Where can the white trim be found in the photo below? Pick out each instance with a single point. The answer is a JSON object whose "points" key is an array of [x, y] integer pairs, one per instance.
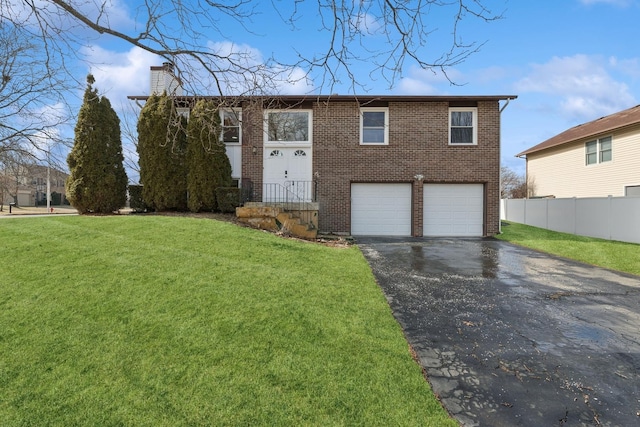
{"points": [[306, 143], [384, 110], [474, 111]]}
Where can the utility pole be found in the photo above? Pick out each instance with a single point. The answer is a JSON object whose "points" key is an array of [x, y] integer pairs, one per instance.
{"points": [[48, 181]]}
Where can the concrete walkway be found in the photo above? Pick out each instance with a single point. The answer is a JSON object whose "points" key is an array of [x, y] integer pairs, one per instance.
{"points": [[31, 210], [513, 337]]}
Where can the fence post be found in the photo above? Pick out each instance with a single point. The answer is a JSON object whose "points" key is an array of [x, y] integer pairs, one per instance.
{"points": [[575, 215], [609, 216], [546, 213]]}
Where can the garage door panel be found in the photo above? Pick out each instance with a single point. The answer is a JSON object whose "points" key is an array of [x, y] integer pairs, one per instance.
{"points": [[453, 210], [381, 209]]}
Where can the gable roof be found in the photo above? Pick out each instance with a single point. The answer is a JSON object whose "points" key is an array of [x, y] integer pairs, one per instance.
{"points": [[602, 125]]}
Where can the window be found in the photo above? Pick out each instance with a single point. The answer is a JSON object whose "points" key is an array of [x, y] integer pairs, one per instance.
{"points": [[598, 151], [374, 126], [592, 152], [230, 120], [605, 149], [632, 190], [183, 112], [289, 126], [463, 127]]}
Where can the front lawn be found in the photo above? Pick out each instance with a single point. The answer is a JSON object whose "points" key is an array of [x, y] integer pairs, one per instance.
{"points": [[609, 254], [170, 321]]}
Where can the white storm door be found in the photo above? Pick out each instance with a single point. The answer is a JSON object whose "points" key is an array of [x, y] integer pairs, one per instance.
{"points": [[234, 153], [287, 174]]}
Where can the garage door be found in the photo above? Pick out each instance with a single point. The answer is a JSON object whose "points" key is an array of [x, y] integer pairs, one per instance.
{"points": [[453, 210], [381, 209]]}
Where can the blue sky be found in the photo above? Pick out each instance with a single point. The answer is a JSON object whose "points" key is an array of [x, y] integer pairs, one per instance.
{"points": [[568, 61]]}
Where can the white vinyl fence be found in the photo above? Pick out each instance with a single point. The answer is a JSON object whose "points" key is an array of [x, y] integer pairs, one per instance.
{"points": [[612, 218]]}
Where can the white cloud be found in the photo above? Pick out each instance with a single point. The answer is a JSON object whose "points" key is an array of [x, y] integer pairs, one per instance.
{"points": [[366, 23], [584, 84], [119, 74], [426, 82], [629, 67], [243, 70]]}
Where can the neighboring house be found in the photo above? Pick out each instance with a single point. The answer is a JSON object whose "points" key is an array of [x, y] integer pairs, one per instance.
{"points": [[26, 185], [376, 165], [596, 159]]}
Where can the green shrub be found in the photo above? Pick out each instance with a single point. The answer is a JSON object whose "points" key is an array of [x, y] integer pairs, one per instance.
{"points": [[228, 199], [136, 203]]}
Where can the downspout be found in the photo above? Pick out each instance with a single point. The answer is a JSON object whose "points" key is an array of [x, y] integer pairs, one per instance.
{"points": [[500, 162], [505, 105]]}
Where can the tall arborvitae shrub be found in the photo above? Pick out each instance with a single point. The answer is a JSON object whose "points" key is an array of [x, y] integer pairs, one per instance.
{"points": [[162, 144], [97, 181], [207, 161]]}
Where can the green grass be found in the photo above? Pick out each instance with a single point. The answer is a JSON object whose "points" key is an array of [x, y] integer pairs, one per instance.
{"points": [[168, 321], [609, 254]]}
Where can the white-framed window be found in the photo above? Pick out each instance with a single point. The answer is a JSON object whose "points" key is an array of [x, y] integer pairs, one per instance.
{"points": [[598, 151], [231, 122], [463, 126], [288, 126], [184, 112], [374, 126]]}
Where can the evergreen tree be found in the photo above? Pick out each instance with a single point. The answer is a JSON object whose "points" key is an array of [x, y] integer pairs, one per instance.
{"points": [[97, 181], [162, 155], [207, 161]]}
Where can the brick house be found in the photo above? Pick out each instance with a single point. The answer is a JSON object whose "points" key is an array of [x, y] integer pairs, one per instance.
{"points": [[374, 165]]}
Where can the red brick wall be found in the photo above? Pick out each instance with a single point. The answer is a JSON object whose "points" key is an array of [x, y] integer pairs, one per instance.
{"points": [[418, 144], [252, 147]]}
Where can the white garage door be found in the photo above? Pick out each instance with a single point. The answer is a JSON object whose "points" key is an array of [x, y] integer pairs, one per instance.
{"points": [[453, 210], [381, 209]]}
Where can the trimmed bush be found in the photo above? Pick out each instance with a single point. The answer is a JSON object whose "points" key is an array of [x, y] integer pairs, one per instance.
{"points": [[98, 181], [228, 199], [136, 203]]}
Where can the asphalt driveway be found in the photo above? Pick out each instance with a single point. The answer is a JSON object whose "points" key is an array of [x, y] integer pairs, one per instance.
{"points": [[512, 337]]}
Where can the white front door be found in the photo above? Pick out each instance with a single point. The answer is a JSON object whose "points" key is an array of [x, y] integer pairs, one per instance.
{"points": [[287, 174]]}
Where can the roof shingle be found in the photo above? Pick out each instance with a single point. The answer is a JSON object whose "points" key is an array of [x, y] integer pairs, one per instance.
{"points": [[596, 127]]}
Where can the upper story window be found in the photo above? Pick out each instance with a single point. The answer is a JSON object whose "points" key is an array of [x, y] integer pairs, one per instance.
{"points": [[290, 126], [598, 151], [463, 126], [374, 126], [184, 112], [231, 119]]}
